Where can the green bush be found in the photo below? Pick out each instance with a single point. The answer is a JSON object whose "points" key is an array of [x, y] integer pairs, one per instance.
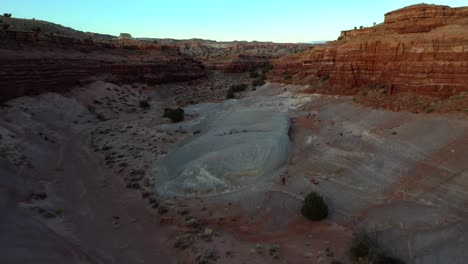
{"points": [[176, 115], [324, 78], [364, 249], [253, 74], [7, 15], [258, 82], [144, 104], [314, 208], [230, 94], [239, 88]]}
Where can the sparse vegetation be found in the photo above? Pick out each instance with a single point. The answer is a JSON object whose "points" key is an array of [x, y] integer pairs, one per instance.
{"points": [[254, 74], [144, 104], [324, 78], [339, 38], [259, 82], [231, 93], [36, 29], [239, 87], [365, 249], [5, 26], [430, 109], [287, 76], [255, 83], [314, 207], [176, 115], [7, 14]]}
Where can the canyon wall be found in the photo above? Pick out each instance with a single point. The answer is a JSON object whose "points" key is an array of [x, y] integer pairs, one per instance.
{"points": [[236, 56], [32, 63], [421, 49]]}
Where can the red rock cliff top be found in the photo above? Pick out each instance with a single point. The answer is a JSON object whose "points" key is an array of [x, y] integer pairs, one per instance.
{"points": [[423, 17], [421, 49]]}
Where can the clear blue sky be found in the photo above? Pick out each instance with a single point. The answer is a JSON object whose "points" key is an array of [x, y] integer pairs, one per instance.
{"points": [[262, 20]]}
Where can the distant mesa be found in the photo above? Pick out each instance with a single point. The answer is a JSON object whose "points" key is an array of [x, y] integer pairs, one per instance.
{"points": [[125, 36]]}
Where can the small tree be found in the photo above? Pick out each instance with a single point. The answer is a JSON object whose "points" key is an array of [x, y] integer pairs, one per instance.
{"points": [[144, 104], [374, 24], [230, 94], [7, 15], [253, 74], [361, 27], [176, 115], [314, 207]]}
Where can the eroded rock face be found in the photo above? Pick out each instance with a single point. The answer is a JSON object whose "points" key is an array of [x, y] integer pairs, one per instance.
{"points": [[423, 18], [421, 49], [32, 63], [237, 56]]}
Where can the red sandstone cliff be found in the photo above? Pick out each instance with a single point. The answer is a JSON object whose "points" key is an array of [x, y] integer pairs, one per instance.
{"points": [[421, 49], [32, 63]]}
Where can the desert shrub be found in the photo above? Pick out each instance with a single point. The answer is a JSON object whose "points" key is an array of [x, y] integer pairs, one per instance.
{"points": [[430, 109], [339, 38], [239, 88], [5, 26], [314, 207], [287, 76], [258, 82], [254, 74], [365, 249], [324, 78], [230, 94], [6, 14], [59, 211], [144, 104], [176, 115], [235, 89], [36, 29]]}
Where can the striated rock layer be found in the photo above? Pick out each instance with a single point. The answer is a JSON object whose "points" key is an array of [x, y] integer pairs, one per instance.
{"points": [[236, 56], [421, 49], [32, 63]]}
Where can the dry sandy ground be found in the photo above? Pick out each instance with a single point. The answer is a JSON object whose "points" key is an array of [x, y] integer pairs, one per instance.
{"points": [[75, 186]]}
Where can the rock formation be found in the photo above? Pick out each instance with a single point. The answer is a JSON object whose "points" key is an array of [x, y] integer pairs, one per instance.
{"points": [[233, 57], [33, 62], [421, 49]]}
